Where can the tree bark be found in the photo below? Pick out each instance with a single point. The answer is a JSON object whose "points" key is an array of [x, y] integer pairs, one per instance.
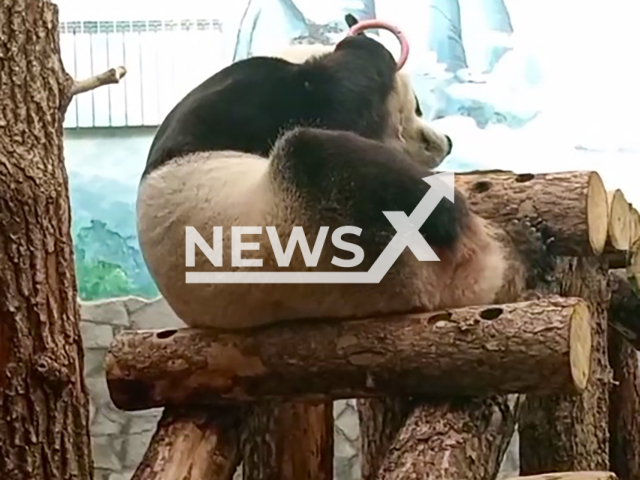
{"points": [[570, 433], [43, 399], [462, 438], [193, 444], [624, 409], [567, 213], [624, 307], [537, 346], [289, 441]]}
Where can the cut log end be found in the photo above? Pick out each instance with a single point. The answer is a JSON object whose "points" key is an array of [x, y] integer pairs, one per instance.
{"points": [[619, 220], [580, 345], [597, 213]]}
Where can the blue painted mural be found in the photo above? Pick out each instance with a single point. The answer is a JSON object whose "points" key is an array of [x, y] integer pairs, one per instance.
{"points": [[104, 166]]}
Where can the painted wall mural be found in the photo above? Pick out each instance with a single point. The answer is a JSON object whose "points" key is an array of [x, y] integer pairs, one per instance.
{"points": [[104, 167], [468, 38]]}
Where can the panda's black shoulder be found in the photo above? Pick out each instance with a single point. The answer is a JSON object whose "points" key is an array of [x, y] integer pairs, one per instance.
{"points": [[249, 104], [210, 117]]}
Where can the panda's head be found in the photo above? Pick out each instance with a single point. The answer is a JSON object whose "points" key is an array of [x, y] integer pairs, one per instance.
{"points": [[405, 126]]}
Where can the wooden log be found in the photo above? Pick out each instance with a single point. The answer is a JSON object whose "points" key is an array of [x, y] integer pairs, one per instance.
{"points": [[619, 235], [624, 409], [629, 259], [633, 269], [463, 438], [537, 346], [570, 476], [634, 224], [193, 443], [570, 433], [567, 212], [288, 441], [624, 307], [380, 420]]}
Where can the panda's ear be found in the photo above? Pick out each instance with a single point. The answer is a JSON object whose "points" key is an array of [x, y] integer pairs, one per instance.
{"points": [[350, 19], [362, 47]]}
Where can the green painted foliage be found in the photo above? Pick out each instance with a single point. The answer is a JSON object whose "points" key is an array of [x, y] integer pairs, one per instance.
{"points": [[108, 265]]}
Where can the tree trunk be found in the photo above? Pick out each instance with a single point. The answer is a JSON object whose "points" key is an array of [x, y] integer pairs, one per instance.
{"points": [[571, 433], [624, 410], [43, 400], [542, 346]]}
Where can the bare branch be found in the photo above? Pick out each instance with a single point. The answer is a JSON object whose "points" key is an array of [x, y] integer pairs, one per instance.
{"points": [[113, 75]]}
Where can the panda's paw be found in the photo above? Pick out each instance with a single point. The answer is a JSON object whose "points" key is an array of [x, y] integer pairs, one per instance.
{"points": [[314, 158], [342, 176]]}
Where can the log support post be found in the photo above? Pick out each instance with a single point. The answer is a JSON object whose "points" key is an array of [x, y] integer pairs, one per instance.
{"points": [[288, 441], [570, 432], [193, 443], [624, 408]]}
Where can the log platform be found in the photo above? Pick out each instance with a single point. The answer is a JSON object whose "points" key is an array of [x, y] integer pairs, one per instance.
{"points": [[439, 393]]}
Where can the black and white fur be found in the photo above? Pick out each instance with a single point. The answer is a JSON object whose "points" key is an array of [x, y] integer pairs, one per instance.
{"points": [[331, 141]]}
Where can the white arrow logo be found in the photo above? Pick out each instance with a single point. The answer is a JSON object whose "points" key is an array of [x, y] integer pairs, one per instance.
{"points": [[407, 236]]}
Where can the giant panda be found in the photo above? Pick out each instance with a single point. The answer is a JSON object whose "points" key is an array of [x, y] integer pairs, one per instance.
{"points": [[332, 138]]}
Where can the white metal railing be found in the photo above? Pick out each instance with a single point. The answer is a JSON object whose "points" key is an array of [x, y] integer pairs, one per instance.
{"points": [[164, 60]]}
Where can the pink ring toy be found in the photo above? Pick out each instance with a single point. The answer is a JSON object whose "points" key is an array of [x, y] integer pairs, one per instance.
{"points": [[368, 24]]}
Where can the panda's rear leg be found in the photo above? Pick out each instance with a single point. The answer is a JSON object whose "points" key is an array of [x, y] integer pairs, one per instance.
{"points": [[353, 179]]}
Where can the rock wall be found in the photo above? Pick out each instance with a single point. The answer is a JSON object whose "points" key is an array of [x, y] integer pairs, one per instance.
{"points": [[119, 439]]}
